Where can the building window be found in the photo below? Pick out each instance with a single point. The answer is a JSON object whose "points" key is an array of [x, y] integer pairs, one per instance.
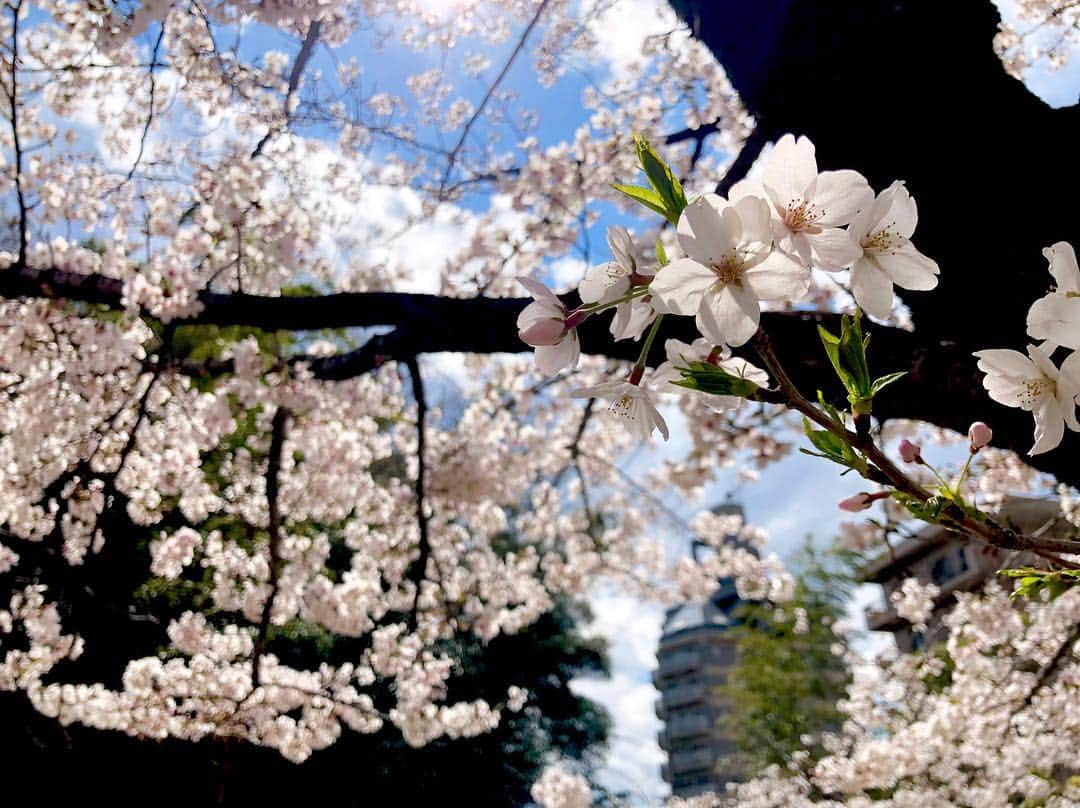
{"points": [[918, 641], [944, 569]]}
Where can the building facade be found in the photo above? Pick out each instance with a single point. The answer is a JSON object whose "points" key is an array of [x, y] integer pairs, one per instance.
{"points": [[696, 652], [954, 563]]}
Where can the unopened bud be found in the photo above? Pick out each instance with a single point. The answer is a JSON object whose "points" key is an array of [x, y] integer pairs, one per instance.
{"points": [[979, 434], [857, 502], [910, 452]]}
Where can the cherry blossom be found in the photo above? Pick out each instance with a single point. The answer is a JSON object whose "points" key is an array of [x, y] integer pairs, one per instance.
{"points": [[809, 208], [1056, 316], [1034, 384], [883, 232], [679, 354], [632, 400], [730, 268], [550, 328]]}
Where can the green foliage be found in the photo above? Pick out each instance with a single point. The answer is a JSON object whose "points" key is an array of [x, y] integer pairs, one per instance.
{"points": [[1033, 582], [847, 353], [708, 378], [784, 685], [665, 195], [830, 445]]}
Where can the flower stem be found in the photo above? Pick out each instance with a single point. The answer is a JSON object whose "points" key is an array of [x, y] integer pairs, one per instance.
{"points": [[647, 345]]}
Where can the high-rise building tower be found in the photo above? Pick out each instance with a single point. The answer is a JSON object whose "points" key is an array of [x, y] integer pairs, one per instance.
{"points": [[696, 651]]}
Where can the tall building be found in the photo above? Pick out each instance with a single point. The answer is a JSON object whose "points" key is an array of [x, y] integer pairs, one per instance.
{"points": [[696, 652], [954, 563]]}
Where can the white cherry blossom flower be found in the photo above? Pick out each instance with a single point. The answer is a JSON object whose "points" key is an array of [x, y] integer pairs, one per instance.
{"points": [[883, 233], [608, 282], [679, 353], [809, 208], [1033, 383], [730, 268], [550, 328], [632, 400], [1056, 316]]}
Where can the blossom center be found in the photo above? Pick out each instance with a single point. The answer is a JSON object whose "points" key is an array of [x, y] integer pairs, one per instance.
{"points": [[884, 240], [729, 270], [802, 214], [1035, 389]]}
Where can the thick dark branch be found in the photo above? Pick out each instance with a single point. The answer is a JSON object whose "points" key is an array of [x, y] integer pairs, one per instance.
{"points": [[417, 571], [273, 529], [942, 385]]}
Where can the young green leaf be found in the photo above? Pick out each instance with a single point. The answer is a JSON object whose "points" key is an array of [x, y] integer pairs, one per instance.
{"points": [[645, 196], [661, 253], [661, 178], [710, 379]]}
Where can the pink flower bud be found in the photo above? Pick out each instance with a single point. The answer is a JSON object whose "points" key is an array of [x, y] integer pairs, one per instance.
{"points": [[858, 502], [910, 452], [547, 331], [979, 434]]}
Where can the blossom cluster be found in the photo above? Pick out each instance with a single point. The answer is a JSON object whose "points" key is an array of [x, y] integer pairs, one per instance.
{"points": [[757, 246]]}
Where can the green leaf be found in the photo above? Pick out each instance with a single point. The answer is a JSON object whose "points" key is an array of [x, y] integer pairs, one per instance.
{"points": [[661, 253], [832, 350], [853, 350], [833, 447], [706, 378], [1033, 582], [661, 178], [645, 196], [884, 381]]}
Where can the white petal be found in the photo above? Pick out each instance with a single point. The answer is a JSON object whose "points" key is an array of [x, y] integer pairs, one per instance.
{"points": [[778, 277], [540, 310], [609, 389], [833, 249], [908, 268], [1057, 318], [1006, 362], [901, 216], [1049, 425], [604, 283], [839, 195], [631, 319], [871, 288], [756, 217], [678, 287], [553, 358], [1069, 375], [704, 233], [1063, 266], [622, 247], [790, 169], [795, 244], [1040, 357], [538, 290], [729, 314]]}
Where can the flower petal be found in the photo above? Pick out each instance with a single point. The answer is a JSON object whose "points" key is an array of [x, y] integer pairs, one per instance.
{"points": [[1049, 425], [1063, 266], [790, 169], [1006, 362], [908, 268], [553, 358], [833, 249], [778, 277], [755, 215], [540, 292], [839, 195], [539, 310], [704, 232], [729, 314], [604, 283], [679, 287], [871, 288], [1057, 318]]}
